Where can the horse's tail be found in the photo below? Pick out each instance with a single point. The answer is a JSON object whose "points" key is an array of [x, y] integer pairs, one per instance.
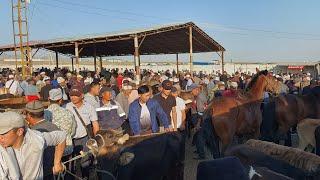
{"points": [[211, 136]]}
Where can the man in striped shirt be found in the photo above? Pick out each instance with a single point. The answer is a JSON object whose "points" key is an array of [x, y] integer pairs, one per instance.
{"points": [[110, 113]]}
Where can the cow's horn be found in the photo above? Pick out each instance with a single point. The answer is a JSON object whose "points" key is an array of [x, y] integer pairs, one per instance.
{"points": [[123, 139]]}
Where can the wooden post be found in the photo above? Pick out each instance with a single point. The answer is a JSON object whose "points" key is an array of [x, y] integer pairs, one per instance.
{"points": [[76, 52], [191, 50], [177, 59], [100, 61], [57, 60], [95, 58], [222, 61], [72, 67], [136, 57]]}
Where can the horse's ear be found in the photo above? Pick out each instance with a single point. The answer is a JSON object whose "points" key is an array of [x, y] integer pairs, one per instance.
{"points": [[257, 70]]}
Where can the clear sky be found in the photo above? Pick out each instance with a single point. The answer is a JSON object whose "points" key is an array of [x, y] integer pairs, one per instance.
{"points": [[250, 30]]}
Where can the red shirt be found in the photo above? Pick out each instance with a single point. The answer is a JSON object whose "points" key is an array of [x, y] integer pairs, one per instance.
{"points": [[119, 81]]}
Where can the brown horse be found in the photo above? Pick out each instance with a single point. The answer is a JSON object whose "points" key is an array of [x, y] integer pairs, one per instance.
{"points": [[286, 111], [239, 116]]}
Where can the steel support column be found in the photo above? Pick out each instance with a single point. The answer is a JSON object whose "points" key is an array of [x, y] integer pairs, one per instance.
{"points": [[95, 58], [100, 60], [177, 62], [76, 53], [57, 60], [136, 57], [72, 67], [191, 51], [222, 61]]}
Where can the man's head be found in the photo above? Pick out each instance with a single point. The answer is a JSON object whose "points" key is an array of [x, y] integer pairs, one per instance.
{"points": [[127, 89], [175, 91], [31, 81], [194, 88], [55, 96], [61, 81], [42, 74], [76, 95], [12, 127], [166, 87], [46, 79], [144, 93], [79, 77], [34, 111], [94, 88], [106, 93]]}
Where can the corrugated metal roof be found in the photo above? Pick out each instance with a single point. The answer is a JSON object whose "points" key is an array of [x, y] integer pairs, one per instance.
{"points": [[163, 39]]}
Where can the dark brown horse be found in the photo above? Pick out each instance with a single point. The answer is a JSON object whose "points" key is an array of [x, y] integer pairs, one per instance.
{"points": [[286, 112], [241, 115]]}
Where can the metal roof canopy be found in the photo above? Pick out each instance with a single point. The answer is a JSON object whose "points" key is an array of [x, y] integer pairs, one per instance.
{"points": [[170, 39]]}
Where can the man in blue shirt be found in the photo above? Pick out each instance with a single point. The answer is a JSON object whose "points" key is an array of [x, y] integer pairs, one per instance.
{"points": [[143, 112]]}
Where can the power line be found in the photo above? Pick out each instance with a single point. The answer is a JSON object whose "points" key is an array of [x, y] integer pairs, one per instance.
{"points": [[214, 27], [86, 12], [164, 18]]}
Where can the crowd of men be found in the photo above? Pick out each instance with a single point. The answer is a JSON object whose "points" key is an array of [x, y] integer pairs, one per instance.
{"points": [[83, 103]]}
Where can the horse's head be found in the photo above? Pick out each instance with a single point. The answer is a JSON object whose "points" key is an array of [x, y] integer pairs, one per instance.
{"points": [[272, 84], [265, 81]]}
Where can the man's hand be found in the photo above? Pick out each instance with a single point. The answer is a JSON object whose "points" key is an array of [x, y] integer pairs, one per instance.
{"points": [[57, 168]]}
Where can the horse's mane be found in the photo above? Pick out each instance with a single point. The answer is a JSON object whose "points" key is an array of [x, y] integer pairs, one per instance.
{"points": [[300, 159], [255, 78]]}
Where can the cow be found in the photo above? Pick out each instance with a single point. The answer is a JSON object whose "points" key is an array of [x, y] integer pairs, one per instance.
{"points": [[155, 156], [251, 157], [288, 161], [230, 168]]}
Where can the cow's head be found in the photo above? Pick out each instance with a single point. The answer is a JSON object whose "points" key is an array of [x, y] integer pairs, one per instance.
{"points": [[108, 143]]}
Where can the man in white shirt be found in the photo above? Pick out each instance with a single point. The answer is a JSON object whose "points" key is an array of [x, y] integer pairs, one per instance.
{"points": [[180, 108], [12, 85], [26, 146]]}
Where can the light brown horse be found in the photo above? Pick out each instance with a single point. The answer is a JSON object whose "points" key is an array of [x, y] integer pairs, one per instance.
{"points": [[239, 116]]}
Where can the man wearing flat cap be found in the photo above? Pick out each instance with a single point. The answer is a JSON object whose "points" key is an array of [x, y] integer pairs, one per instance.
{"points": [[27, 146], [110, 113], [35, 119]]}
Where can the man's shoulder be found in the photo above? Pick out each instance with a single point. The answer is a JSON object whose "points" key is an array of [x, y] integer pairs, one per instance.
{"points": [[156, 96], [134, 103], [46, 126], [69, 106]]}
